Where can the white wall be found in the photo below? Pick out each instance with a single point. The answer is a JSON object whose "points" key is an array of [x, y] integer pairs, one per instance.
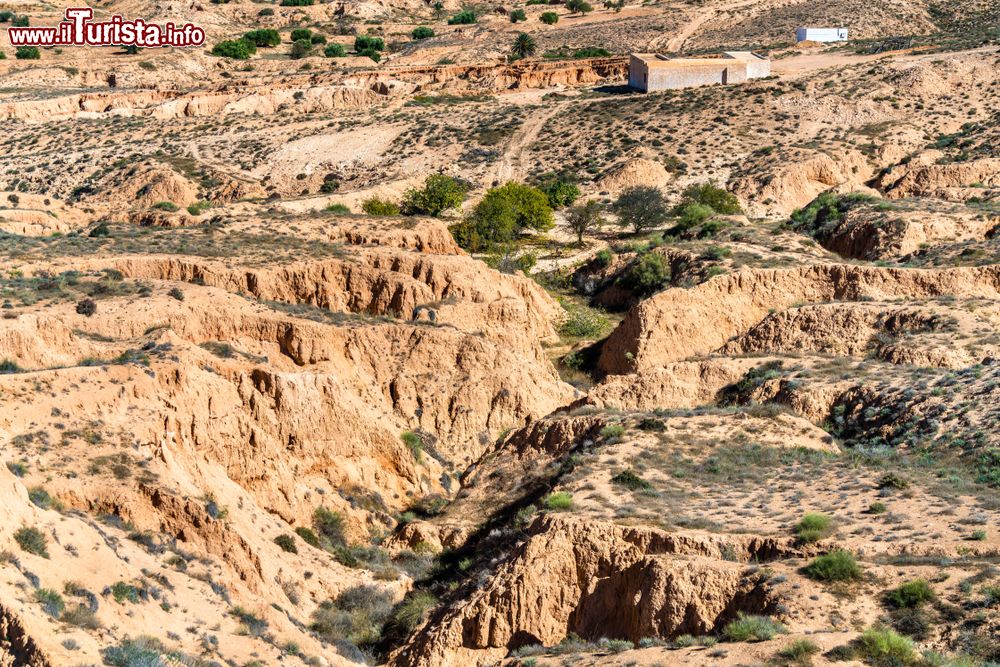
{"points": [[821, 34]]}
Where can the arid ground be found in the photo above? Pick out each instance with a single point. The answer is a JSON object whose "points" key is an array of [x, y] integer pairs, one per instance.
{"points": [[415, 338]]}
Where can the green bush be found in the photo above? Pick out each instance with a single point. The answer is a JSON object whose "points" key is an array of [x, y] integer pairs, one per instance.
{"points": [[301, 48], [978, 535], [882, 647], [263, 37], [422, 32], [749, 628], [631, 481], [376, 206], [408, 614], [799, 652], [579, 6], [330, 526], [296, 3], [584, 322], [237, 49], [8, 366], [910, 595], [517, 15], [415, 444], [561, 193], [591, 52], [334, 50], [502, 214], [559, 501], [464, 17], [692, 215], [549, 18], [339, 209], [365, 42], [28, 53], [711, 195], [648, 274], [892, 481], [287, 543], [612, 432], [168, 206], [835, 566], [356, 616], [308, 536], [813, 527], [51, 601], [440, 193], [371, 54], [301, 33], [32, 541], [124, 592]]}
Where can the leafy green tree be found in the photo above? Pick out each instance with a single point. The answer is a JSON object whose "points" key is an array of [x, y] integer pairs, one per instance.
{"points": [[517, 15], [579, 6], [464, 17], [301, 33], [561, 190], [502, 214], [370, 53], [365, 42], [549, 18], [711, 195], [301, 48], [238, 49], [422, 32], [28, 53], [693, 215], [585, 218], [524, 46], [641, 207], [264, 37], [439, 194], [649, 274], [334, 50]]}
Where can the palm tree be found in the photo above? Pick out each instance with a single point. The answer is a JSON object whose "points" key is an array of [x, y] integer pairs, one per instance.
{"points": [[524, 46]]}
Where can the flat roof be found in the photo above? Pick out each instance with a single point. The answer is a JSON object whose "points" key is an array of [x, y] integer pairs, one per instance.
{"points": [[659, 60]]}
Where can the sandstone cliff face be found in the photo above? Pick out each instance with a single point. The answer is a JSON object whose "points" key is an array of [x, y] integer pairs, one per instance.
{"points": [[572, 576], [956, 182], [680, 323]]}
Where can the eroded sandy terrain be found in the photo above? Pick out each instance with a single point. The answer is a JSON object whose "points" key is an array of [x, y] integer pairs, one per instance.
{"points": [[252, 413]]}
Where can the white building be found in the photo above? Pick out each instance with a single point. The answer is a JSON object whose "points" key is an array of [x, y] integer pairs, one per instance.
{"points": [[821, 35]]}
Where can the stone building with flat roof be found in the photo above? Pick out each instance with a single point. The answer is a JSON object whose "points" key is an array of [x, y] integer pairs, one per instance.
{"points": [[650, 72]]}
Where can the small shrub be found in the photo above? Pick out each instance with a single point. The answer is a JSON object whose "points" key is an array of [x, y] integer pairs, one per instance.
{"points": [[28, 53], [813, 527], [414, 443], [892, 481], [366, 42], [329, 525], [307, 535], [372, 54], [376, 206], [978, 535], [287, 543], [339, 209], [517, 15], [301, 48], [882, 647], [86, 307], [124, 592], [32, 541], [264, 37], [631, 481], [647, 275], [749, 628], [584, 323], [837, 565], [334, 50], [301, 33], [549, 18], [236, 49], [51, 601], [799, 652], [422, 32], [559, 501], [81, 616], [8, 366], [409, 613], [464, 17], [168, 206], [612, 432], [877, 508], [910, 595], [176, 293]]}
